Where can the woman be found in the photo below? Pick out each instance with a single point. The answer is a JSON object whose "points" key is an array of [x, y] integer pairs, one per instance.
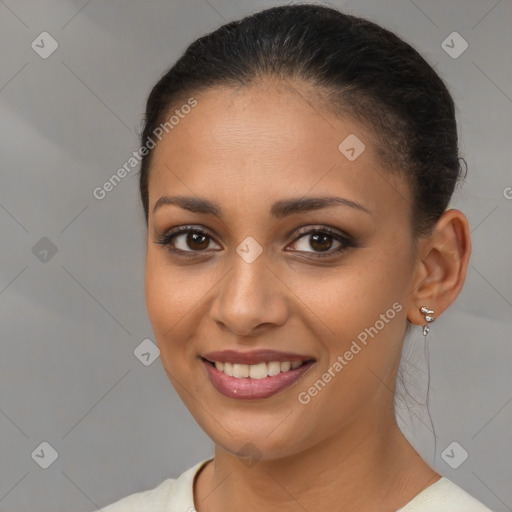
{"points": [[297, 169]]}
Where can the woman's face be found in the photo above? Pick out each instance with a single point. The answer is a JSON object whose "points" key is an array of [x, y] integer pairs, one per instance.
{"points": [[334, 301]]}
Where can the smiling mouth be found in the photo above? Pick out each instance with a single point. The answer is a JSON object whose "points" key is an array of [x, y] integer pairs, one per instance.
{"points": [[256, 371]]}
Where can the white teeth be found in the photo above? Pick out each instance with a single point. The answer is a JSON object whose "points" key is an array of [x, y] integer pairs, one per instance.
{"points": [[228, 369], [240, 370], [257, 371], [286, 366], [274, 368]]}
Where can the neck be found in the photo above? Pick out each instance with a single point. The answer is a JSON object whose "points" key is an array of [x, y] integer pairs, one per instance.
{"points": [[369, 467]]}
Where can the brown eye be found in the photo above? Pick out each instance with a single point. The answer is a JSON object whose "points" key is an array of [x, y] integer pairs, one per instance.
{"points": [[197, 241], [321, 241], [316, 241], [187, 240], [190, 240]]}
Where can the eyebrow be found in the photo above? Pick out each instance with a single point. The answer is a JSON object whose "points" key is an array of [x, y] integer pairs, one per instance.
{"points": [[279, 209]]}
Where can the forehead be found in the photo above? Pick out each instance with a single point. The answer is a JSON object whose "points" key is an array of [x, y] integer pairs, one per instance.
{"points": [[268, 141]]}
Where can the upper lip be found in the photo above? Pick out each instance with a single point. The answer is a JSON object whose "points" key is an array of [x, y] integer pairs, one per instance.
{"points": [[254, 356]]}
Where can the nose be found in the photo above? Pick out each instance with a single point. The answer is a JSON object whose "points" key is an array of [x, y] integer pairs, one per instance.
{"points": [[250, 297]]}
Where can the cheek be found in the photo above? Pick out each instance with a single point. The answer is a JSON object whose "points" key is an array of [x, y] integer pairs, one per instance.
{"points": [[362, 328], [353, 297], [170, 296], [362, 307]]}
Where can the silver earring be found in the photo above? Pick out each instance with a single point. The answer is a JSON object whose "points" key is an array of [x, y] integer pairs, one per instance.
{"points": [[429, 318]]}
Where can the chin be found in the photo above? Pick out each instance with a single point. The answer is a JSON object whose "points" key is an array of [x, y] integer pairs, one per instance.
{"points": [[257, 438]]}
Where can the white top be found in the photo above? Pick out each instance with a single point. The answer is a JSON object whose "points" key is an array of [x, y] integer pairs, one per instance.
{"points": [[176, 495]]}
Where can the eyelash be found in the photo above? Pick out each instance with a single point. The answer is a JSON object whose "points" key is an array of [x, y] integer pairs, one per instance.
{"points": [[345, 240]]}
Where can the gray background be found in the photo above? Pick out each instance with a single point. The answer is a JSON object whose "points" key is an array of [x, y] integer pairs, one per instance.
{"points": [[72, 320]]}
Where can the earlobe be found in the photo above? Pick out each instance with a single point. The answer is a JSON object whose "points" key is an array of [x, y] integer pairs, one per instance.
{"points": [[444, 261]]}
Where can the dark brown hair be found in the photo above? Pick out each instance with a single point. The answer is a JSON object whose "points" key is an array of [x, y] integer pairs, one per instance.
{"points": [[368, 72]]}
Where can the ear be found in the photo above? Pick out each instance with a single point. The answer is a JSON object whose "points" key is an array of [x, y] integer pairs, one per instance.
{"points": [[442, 265]]}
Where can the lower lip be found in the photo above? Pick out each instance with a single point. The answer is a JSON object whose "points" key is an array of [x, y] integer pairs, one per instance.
{"points": [[246, 389]]}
